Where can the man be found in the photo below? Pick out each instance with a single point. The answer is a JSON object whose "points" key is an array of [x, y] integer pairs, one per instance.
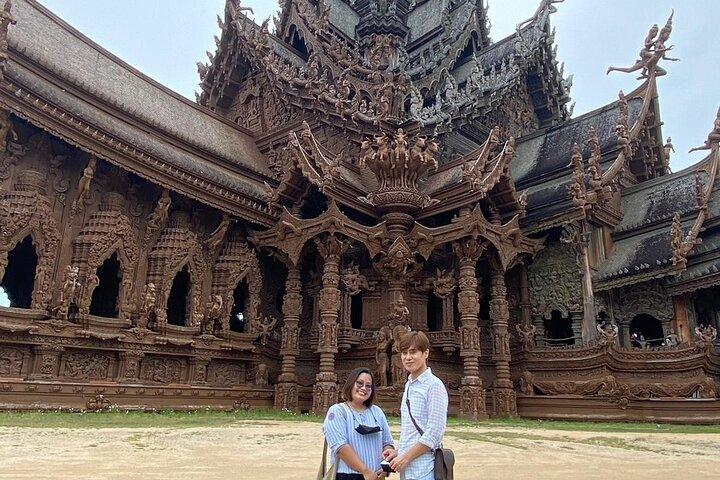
{"points": [[428, 406]]}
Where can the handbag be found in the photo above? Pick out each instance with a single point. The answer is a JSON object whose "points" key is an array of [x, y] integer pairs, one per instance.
{"points": [[444, 457], [331, 473]]}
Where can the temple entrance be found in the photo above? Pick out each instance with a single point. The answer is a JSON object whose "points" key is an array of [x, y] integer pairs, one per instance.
{"points": [[558, 329], [105, 296], [177, 303], [19, 279], [356, 311], [434, 313], [707, 307], [237, 313], [648, 329]]}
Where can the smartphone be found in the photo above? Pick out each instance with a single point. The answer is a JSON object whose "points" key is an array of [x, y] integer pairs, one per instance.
{"points": [[385, 465]]}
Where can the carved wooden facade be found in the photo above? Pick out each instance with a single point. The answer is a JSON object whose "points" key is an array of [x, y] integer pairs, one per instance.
{"points": [[338, 182]]}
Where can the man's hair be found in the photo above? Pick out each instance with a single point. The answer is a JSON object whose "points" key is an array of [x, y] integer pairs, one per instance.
{"points": [[350, 384], [417, 340]]}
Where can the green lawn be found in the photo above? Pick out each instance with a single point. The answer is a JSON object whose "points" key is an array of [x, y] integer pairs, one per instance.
{"points": [[209, 418]]}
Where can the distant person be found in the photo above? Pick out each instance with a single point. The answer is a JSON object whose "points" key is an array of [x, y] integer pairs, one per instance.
{"points": [[423, 412], [357, 431]]}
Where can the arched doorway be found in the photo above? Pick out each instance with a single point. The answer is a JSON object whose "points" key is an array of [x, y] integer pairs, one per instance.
{"points": [[648, 329], [558, 329], [104, 301], [19, 279], [178, 299]]}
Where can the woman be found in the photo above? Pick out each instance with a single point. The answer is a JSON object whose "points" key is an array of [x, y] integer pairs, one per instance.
{"points": [[357, 431]]}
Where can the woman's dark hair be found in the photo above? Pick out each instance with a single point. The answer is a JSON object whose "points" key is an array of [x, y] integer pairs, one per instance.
{"points": [[350, 384]]}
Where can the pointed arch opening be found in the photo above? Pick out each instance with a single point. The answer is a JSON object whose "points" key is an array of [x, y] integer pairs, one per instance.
{"points": [[104, 301], [558, 329], [19, 279], [237, 312], [179, 298]]}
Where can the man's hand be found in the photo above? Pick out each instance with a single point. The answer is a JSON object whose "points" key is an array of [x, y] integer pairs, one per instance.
{"points": [[399, 463], [389, 453]]}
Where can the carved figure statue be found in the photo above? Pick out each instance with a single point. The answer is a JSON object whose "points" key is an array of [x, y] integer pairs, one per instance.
{"points": [[239, 8], [399, 312], [526, 332], [83, 188], [214, 312], [160, 215], [544, 5], [6, 128], [217, 236], [607, 333], [355, 281], [705, 335], [668, 147], [67, 292], [713, 138], [652, 52], [147, 305], [381, 354], [264, 326], [261, 375], [672, 339], [398, 371]]}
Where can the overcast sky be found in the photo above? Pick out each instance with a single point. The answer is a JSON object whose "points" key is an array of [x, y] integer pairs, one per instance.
{"points": [[164, 39]]}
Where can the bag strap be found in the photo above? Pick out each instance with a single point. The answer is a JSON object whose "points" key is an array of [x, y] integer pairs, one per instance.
{"points": [[407, 402]]}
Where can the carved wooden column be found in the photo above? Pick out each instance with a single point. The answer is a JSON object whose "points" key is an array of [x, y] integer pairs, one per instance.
{"points": [[46, 361], [504, 400], [286, 393], [472, 394], [129, 368], [325, 391], [525, 305]]}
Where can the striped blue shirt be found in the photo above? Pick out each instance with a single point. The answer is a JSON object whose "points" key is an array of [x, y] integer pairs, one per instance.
{"points": [[339, 430], [429, 405]]}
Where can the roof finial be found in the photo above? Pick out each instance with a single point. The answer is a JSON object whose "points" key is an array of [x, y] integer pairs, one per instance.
{"points": [[713, 138], [652, 52], [545, 6]]}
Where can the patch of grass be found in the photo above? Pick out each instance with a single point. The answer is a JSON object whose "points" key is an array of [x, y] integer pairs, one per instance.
{"points": [[600, 427], [139, 419]]}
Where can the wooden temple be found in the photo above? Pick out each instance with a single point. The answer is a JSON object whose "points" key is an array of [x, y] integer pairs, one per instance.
{"points": [[368, 167]]}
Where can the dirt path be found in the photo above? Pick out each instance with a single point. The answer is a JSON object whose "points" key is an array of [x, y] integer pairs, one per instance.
{"points": [[270, 450]]}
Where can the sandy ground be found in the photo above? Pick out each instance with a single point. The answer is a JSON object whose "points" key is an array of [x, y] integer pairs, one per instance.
{"points": [[265, 450]]}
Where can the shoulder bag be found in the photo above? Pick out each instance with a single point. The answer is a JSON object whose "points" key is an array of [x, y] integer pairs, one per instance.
{"points": [[444, 457]]}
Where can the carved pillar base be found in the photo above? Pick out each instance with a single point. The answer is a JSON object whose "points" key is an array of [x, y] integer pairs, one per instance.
{"points": [[504, 402], [325, 394], [286, 396], [472, 403], [129, 368], [46, 361]]}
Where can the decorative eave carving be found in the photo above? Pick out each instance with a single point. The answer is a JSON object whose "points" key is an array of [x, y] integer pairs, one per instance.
{"points": [[91, 139], [682, 246], [313, 160], [507, 238], [291, 233]]}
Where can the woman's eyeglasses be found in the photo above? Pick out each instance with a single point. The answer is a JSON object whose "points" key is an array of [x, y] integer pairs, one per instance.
{"points": [[367, 386]]}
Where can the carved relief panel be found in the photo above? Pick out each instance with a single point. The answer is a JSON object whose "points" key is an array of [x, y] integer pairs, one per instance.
{"points": [[162, 369], [12, 361], [86, 366], [554, 281]]}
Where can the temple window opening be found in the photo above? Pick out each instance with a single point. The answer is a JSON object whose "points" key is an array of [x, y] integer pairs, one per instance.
{"points": [[356, 311], [434, 313], [649, 330], [105, 296], [177, 303], [237, 313], [19, 278], [558, 329]]}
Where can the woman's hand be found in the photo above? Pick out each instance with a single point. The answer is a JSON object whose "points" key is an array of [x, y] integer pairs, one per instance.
{"points": [[399, 463], [369, 475]]}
